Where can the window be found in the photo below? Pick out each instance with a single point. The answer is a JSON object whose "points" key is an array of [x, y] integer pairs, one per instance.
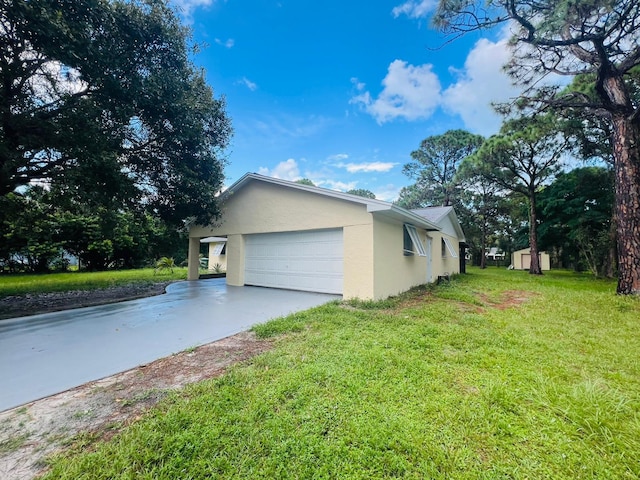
{"points": [[219, 249], [412, 241], [446, 246]]}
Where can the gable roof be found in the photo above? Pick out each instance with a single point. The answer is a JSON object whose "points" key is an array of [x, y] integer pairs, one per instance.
{"points": [[438, 214], [377, 207]]}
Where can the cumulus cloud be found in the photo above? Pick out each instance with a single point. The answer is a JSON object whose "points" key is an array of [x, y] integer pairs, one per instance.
{"points": [[415, 9], [187, 7], [388, 193], [336, 184], [410, 92], [367, 167], [481, 82], [228, 43], [287, 170]]}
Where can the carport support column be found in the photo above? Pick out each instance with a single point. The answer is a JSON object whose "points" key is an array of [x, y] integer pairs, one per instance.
{"points": [[193, 259]]}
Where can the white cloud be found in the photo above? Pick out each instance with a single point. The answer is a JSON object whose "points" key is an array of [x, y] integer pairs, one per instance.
{"points": [[247, 83], [367, 167], [414, 9], [481, 82], [287, 170], [187, 7], [336, 184], [410, 92], [228, 43], [388, 193], [337, 157]]}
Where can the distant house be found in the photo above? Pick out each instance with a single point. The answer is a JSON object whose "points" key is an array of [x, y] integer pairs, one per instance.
{"points": [[521, 260], [283, 234], [494, 254]]}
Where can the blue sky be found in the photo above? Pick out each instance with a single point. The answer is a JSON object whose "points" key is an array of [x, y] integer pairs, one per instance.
{"points": [[341, 92]]}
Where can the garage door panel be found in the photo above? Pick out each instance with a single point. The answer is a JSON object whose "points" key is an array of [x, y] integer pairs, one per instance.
{"points": [[311, 260]]}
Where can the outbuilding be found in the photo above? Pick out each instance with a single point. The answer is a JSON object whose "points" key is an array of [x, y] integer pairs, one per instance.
{"points": [[285, 234], [521, 260]]}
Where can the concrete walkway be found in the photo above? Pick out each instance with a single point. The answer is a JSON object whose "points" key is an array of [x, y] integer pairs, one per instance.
{"points": [[46, 354]]}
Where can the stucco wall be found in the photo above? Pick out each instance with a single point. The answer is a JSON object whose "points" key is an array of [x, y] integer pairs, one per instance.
{"points": [[444, 264], [394, 271], [216, 259], [264, 208]]}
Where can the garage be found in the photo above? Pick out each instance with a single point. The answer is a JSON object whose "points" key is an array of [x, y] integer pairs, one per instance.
{"points": [[310, 260]]}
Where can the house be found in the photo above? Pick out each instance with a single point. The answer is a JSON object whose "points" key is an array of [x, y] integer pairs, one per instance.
{"points": [[521, 260], [284, 234]]}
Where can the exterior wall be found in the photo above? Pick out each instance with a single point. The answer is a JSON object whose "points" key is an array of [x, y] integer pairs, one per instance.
{"points": [[264, 208], [395, 272], [444, 264], [216, 259]]}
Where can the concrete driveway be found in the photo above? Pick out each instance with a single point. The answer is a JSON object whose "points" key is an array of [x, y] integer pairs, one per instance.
{"points": [[46, 354]]}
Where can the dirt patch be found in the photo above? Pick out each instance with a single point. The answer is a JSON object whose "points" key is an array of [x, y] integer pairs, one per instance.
{"points": [[33, 304], [30, 433], [508, 299]]}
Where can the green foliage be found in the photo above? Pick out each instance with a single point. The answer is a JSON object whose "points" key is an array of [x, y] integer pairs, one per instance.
{"points": [[575, 216], [22, 284], [362, 192], [306, 181], [435, 164], [103, 100], [165, 263], [497, 375]]}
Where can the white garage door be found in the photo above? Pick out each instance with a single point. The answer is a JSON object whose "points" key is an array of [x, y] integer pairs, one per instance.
{"points": [[309, 260]]}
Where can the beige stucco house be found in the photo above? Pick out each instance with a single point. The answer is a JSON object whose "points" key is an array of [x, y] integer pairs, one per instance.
{"points": [[521, 260], [284, 234]]}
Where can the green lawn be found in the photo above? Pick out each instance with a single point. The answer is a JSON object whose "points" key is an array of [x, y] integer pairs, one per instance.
{"points": [[497, 375], [21, 284]]}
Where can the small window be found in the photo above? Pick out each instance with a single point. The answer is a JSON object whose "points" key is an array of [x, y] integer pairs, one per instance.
{"points": [[413, 242], [447, 247], [219, 249]]}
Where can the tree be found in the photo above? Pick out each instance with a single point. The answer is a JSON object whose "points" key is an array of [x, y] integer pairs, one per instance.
{"points": [[483, 200], [362, 192], [578, 37], [306, 181], [435, 163], [98, 86], [526, 153], [575, 213]]}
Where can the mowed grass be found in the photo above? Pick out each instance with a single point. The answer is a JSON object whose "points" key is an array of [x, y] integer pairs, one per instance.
{"points": [[22, 284], [497, 375]]}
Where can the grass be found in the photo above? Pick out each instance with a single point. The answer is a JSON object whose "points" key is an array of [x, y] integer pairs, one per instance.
{"points": [[21, 284], [497, 375]]}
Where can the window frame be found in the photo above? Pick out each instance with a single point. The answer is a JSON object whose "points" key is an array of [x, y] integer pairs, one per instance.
{"points": [[414, 238]]}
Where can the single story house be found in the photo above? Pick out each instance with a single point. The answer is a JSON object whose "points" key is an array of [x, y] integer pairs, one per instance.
{"points": [[521, 260], [284, 234]]}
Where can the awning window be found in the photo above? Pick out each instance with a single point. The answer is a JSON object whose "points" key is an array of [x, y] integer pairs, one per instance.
{"points": [[218, 249], [418, 247], [449, 247]]}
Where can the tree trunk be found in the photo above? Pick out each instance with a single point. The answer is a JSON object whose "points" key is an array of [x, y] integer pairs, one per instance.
{"points": [[483, 249], [626, 152], [534, 267]]}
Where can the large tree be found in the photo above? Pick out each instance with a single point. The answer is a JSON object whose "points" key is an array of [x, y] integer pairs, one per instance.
{"points": [[526, 153], [106, 89], [434, 164], [578, 37]]}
